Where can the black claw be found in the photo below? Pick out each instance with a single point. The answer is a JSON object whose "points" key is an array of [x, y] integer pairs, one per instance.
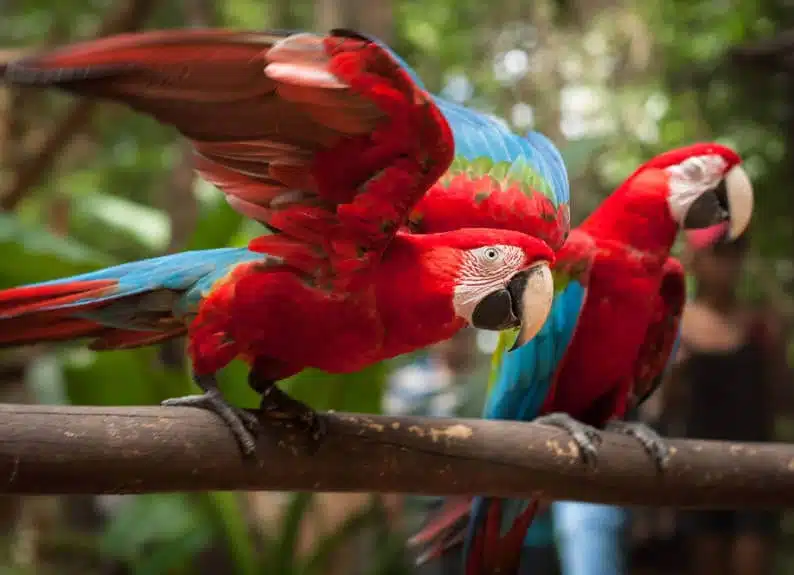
{"points": [[276, 404], [653, 443], [243, 424], [586, 437]]}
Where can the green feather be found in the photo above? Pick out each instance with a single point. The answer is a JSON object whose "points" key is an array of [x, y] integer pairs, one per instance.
{"points": [[505, 342], [507, 174]]}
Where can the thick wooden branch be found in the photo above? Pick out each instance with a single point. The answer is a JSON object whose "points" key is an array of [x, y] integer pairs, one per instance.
{"points": [[146, 449]]}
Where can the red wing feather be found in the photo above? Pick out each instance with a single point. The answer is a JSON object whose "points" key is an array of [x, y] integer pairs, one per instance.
{"points": [[466, 202], [325, 139], [662, 332]]}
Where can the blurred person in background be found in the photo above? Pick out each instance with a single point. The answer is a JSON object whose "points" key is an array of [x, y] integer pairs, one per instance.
{"points": [[729, 382], [591, 537]]}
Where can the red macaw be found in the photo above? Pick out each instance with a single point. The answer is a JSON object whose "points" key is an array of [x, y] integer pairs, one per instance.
{"points": [[609, 336], [330, 141]]}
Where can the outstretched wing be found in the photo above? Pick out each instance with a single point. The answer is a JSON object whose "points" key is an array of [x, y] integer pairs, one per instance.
{"points": [[658, 350], [326, 139], [497, 179]]}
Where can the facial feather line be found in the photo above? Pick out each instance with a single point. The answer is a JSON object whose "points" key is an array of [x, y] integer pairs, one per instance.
{"points": [[483, 271]]}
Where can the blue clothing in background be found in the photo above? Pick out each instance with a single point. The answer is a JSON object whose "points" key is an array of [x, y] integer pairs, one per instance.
{"points": [[591, 538]]}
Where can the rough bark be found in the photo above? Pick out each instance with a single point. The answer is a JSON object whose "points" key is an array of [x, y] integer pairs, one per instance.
{"points": [[50, 450]]}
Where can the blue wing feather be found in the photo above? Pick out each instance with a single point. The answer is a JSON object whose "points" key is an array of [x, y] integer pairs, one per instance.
{"points": [[524, 379], [477, 135], [192, 272], [526, 374]]}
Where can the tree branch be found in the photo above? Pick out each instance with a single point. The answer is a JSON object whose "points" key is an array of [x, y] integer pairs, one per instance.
{"points": [[51, 450], [129, 17]]}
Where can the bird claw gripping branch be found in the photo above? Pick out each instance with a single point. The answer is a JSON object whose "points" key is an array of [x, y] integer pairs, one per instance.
{"points": [[611, 333]]}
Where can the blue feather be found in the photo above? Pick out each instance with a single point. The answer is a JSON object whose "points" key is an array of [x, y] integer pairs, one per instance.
{"points": [[477, 135], [524, 379], [192, 273], [526, 374]]}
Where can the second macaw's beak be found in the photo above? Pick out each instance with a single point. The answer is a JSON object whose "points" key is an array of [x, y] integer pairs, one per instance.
{"points": [[521, 307], [722, 213]]}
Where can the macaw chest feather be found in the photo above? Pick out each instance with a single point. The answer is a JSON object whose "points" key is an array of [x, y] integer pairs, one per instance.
{"points": [[619, 305], [273, 314]]}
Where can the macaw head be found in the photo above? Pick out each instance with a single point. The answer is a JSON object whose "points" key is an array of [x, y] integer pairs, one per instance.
{"points": [[708, 192], [498, 279], [701, 189]]}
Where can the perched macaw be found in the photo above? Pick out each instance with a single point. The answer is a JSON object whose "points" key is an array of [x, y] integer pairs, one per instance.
{"points": [[610, 334], [330, 141]]}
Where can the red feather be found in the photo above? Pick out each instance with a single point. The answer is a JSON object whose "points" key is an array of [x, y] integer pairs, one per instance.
{"points": [[463, 202], [326, 139]]}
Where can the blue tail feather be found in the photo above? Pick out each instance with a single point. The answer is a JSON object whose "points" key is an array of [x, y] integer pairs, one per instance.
{"points": [[192, 272]]}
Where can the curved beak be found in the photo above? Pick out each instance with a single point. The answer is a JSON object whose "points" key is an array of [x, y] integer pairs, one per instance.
{"points": [[521, 307], [721, 213]]}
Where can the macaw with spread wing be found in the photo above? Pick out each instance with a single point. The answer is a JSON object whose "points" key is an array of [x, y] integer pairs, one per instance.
{"points": [[609, 336], [331, 142]]}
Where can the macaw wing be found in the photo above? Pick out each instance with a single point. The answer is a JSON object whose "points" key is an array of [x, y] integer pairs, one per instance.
{"points": [[527, 374], [658, 350], [326, 139], [497, 179], [128, 305]]}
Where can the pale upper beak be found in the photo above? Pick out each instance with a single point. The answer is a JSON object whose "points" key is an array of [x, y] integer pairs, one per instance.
{"points": [[521, 308], [720, 213], [534, 305]]}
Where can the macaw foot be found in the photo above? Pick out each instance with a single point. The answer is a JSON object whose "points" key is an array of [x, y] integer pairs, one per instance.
{"points": [[586, 437], [243, 424], [277, 404], [653, 443]]}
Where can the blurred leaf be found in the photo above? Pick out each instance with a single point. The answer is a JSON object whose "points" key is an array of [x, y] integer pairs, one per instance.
{"points": [[577, 154], [357, 392], [32, 253], [124, 377], [229, 513], [319, 562], [121, 226], [218, 222], [233, 380], [283, 559], [156, 534]]}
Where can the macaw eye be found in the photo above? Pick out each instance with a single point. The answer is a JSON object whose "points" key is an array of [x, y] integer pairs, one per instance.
{"points": [[491, 254]]}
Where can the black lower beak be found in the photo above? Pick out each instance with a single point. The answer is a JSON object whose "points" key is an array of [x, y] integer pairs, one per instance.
{"points": [[501, 309], [710, 209]]}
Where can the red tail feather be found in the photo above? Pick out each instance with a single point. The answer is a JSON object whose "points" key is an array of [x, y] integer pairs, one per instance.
{"points": [[31, 314], [29, 299], [491, 552], [453, 510]]}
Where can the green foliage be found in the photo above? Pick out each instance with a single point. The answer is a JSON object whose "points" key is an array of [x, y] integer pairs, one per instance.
{"points": [[31, 253], [155, 534], [114, 181]]}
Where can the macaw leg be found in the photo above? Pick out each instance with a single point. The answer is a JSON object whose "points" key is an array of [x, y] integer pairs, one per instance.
{"points": [[586, 437], [243, 424], [278, 405], [653, 443]]}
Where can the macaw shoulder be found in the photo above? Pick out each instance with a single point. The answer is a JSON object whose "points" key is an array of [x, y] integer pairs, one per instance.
{"points": [[624, 267], [272, 311]]}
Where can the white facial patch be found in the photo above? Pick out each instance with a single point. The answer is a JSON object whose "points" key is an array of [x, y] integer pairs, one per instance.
{"points": [[484, 271], [691, 178]]}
